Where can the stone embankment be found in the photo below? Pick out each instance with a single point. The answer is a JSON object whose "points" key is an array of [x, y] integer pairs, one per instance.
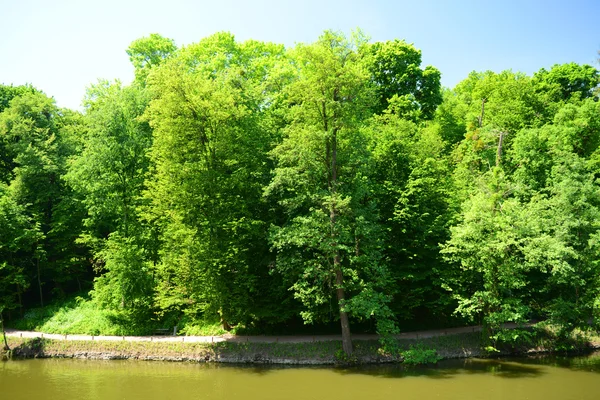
{"points": [[299, 350], [462, 342]]}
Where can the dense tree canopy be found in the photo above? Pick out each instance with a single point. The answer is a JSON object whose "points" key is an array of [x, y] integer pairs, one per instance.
{"points": [[334, 182]]}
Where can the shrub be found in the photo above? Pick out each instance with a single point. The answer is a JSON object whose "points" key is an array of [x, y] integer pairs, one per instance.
{"points": [[420, 354]]}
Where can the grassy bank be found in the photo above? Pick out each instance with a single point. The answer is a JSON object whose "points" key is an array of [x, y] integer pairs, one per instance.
{"points": [[329, 352], [411, 351], [82, 316]]}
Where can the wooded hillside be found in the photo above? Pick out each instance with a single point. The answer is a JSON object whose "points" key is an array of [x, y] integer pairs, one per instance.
{"points": [[258, 185]]}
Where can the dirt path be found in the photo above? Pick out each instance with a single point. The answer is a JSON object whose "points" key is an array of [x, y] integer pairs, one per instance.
{"points": [[244, 339]]}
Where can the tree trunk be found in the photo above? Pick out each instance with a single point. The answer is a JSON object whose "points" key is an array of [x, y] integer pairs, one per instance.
{"points": [[339, 277], [346, 336], [39, 279], [4, 333], [499, 151], [480, 119], [20, 301]]}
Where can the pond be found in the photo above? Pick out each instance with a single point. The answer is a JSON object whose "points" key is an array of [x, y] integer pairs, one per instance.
{"points": [[547, 378]]}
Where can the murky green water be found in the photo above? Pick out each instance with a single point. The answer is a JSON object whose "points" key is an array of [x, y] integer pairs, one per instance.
{"points": [[544, 378]]}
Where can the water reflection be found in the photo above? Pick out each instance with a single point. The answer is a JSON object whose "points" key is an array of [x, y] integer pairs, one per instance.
{"points": [[547, 378], [450, 368], [512, 367]]}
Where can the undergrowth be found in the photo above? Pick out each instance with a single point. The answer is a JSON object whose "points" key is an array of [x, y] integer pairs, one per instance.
{"points": [[201, 328], [420, 354], [80, 315], [558, 340]]}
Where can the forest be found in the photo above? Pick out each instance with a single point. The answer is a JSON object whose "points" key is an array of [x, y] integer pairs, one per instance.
{"points": [[335, 183]]}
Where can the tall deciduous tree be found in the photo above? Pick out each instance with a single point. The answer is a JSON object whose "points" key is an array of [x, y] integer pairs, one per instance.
{"points": [[411, 177], [488, 246], [558, 178], [567, 245], [108, 177], [210, 149], [35, 131], [329, 242], [18, 235]]}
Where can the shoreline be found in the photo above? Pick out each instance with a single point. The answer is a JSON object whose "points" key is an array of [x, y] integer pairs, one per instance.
{"points": [[259, 350], [283, 353]]}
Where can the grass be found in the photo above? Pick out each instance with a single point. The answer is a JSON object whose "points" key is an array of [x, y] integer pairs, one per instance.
{"points": [[79, 315], [201, 328], [74, 316]]}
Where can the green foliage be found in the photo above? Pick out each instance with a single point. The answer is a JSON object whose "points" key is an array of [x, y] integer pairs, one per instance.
{"points": [[451, 117], [530, 247], [80, 316], [126, 280], [108, 175], [411, 184], [250, 186], [149, 52], [342, 357], [567, 248], [488, 246], [402, 87], [328, 243], [37, 137], [420, 354], [511, 338], [209, 115], [565, 81], [558, 339], [7, 94], [17, 236], [508, 101], [201, 328], [108, 178]]}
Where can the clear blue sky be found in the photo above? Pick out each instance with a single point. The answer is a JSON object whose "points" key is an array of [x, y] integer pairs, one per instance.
{"points": [[63, 46]]}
